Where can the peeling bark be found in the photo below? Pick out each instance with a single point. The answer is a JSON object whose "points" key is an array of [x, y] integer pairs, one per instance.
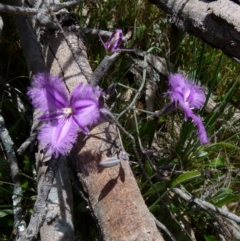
{"points": [[216, 22]]}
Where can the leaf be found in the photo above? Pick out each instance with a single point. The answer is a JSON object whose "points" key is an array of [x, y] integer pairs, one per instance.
{"points": [[229, 199], [140, 31], [216, 162], [149, 169], [221, 193], [154, 208], [202, 154], [24, 185], [157, 187], [5, 212], [224, 196], [221, 144], [210, 238], [148, 129], [185, 177]]}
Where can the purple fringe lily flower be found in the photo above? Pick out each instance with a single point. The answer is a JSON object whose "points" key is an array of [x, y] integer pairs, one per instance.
{"points": [[189, 97], [64, 116], [114, 41]]}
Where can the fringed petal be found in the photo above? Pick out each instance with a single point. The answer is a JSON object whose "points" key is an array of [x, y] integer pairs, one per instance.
{"points": [[182, 89], [58, 114], [198, 122], [48, 92], [57, 137], [85, 102]]}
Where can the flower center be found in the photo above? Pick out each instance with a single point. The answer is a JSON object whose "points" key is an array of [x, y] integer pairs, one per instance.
{"points": [[67, 111]]}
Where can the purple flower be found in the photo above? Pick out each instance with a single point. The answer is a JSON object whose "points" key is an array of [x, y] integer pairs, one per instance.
{"points": [[189, 97], [114, 42], [64, 116]]}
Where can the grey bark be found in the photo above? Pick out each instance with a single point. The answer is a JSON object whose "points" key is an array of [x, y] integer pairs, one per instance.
{"points": [[8, 144], [216, 22], [58, 219]]}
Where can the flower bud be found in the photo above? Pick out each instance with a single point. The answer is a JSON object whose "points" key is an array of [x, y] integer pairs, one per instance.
{"points": [[111, 89], [114, 41]]}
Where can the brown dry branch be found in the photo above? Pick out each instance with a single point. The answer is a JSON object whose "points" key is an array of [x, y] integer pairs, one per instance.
{"points": [[216, 22]]}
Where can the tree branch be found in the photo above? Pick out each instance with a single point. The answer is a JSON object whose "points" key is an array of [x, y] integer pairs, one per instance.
{"points": [[39, 210], [19, 222], [216, 22], [206, 205]]}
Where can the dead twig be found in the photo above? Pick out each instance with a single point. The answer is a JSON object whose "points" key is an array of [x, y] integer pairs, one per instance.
{"points": [[206, 205], [19, 221]]}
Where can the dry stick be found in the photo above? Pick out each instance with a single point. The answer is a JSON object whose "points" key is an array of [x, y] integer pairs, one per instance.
{"points": [[74, 53], [59, 6], [1, 27], [138, 91], [95, 31], [19, 222], [221, 227], [110, 117], [104, 67], [30, 139], [39, 210], [206, 205], [17, 10], [32, 11], [33, 133], [164, 228]]}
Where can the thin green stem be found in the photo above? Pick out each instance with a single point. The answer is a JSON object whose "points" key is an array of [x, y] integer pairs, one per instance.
{"points": [[137, 130], [138, 91], [126, 87], [144, 111]]}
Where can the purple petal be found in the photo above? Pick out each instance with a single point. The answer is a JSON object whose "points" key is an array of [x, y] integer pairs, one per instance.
{"points": [[114, 41], [58, 136], [58, 114], [196, 98], [48, 92], [201, 129], [197, 120], [81, 125], [85, 102], [189, 96], [182, 89]]}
